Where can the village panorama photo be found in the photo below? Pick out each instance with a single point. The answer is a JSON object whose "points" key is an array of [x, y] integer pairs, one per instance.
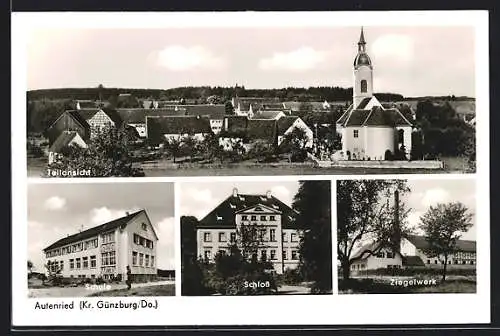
{"points": [[299, 101]]}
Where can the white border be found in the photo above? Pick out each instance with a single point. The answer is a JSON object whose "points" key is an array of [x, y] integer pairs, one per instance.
{"points": [[330, 309]]}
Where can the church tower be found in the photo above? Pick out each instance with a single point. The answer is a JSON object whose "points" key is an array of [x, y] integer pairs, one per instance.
{"points": [[363, 73]]}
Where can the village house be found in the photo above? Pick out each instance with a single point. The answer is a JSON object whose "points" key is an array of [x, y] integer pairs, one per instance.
{"points": [[413, 254], [287, 124], [275, 222], [370, 131], [161, 128], [66, 139], [106, 250], [248, 106]]}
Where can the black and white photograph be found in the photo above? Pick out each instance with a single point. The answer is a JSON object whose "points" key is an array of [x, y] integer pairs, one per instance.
{"points": [[99, 239], [406, 236], [256, 238], [299, 101]]}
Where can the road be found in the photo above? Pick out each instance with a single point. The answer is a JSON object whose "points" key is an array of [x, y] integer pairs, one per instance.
{"points": [[82, 291]]}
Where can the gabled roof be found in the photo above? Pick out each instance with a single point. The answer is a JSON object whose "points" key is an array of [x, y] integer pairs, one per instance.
{"points": [[377, 116], [263, 114], [362, 104], [344, 116], [83, 115], [62, 141], [261, 129], [284, 123], [210, 111], [112, 225], [138, 115], [223, 216], [421, 243], [235, 123], [177, 125]]}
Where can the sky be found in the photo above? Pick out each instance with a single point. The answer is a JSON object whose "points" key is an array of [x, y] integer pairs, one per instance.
{"points": [[426, 193], [413, 61], [198, 199], [56, 210]]}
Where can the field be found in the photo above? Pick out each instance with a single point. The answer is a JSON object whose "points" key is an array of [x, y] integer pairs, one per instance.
{"points": [[161, 290], [394, 285]]}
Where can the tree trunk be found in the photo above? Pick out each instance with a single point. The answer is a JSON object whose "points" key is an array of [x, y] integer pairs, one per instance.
{"points": [[444, 267], [346, 270]]}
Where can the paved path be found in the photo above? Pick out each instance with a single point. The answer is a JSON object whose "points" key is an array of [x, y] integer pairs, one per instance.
{"points": [[82, 291]]}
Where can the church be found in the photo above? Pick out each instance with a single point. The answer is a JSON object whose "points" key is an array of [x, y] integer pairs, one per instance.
{"points": [[369, 131]]}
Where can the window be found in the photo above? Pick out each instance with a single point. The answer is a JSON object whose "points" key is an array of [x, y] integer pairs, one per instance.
{"points": [[108, 237], [233, 237], [134, 258], [61, 265], [428, 261], [380, 254], [284, 254], [222, 236], [472, 262], [284, 237], [108, 258], [273, 254], [263, 218], [85, 262], [356, 133], [78, 263], [263, 254], [92, 276], [152, 261], [144, 226], [272, 218], [207, 237], [141, 259], [136, 239], [262, 234], [272, 235], [364, 86], [253, 218], [435, 261], [244, 217], [455, 261], [207, 254], [294, 255], [146, 261], [93, 262], [390, 255], [294, 238]]}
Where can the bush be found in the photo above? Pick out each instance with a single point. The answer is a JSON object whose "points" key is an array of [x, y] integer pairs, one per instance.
{"points": [[100, 281], [291, 277], [420, 271]]}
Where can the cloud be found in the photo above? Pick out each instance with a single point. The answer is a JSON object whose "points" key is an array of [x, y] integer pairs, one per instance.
{"points": [[414, 218], [180, 58], [55, 203], [103, 214], [434, 196], [304, 58], [398, 47], [202, 196], [280, 192]]}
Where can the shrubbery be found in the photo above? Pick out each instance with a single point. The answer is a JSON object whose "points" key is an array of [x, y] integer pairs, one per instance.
{"points": [[420, 271]]}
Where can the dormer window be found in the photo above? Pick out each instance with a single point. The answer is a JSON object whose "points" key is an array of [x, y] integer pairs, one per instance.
{"points": [[232, 206]]}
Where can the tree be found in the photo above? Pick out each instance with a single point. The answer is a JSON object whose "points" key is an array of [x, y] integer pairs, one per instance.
{"points": [[192, 275], [173, 147], [30, 266], [229, 109], [190, 144], [210, 146], [294, 144], [364, 213], [108, 154], [443, 225], [313, 204], [262, 150]]}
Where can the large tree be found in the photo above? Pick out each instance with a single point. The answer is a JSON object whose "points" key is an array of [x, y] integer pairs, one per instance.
{"points": [[365, 213], [313, 204], [192, 275], [108, 154], [442, 225], [173, 147]]}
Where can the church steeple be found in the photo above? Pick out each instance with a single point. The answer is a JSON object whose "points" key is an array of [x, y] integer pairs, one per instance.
{"points": [[362, 42]]}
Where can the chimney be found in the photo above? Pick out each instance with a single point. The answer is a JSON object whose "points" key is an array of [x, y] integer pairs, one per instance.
{"points": [[235, 192], [128, 213], [268, 194]]}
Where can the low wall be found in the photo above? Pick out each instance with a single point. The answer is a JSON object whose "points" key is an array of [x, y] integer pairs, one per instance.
{"points": [[431, 164]]}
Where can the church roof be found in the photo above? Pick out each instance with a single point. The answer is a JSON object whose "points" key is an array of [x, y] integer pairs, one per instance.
{"points": [[377, 116]]}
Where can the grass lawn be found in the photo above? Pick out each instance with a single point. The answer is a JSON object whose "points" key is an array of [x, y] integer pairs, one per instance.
{"points": [[384, 286], [161, 290]]}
